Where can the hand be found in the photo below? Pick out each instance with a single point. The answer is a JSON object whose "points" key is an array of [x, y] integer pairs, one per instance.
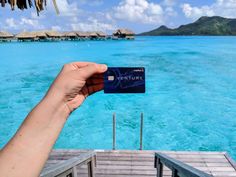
{"points": [[76, 82], [39, 131]]}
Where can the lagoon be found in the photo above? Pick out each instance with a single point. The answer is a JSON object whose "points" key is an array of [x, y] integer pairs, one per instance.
{"points": [[189, 104]]}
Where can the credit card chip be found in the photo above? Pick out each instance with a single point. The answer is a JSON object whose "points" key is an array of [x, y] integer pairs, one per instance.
{"points": [[111, 78]]}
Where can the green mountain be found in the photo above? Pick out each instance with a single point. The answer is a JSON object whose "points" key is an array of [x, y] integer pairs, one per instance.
{"points": [[203, 26]]}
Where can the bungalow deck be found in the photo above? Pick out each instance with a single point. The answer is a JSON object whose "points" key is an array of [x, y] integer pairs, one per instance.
{"points": [[126, 163]]}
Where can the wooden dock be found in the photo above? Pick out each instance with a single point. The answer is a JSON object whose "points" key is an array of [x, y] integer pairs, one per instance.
{"points": [[126, 163]]}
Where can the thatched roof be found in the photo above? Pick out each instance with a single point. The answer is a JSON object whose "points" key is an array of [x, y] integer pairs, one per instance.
{"points": [[25, 4], [5, 34], [82, 34], [70, 34], [124, 31], [88, 33], [24, 35], [40, 34], [101, 34], [93, 34], [53, 34]]}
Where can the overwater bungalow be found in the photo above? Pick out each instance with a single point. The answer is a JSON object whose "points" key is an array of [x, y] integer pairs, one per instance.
{"points": [[54, 35], [101, 35], [26, 37], [93, 36], [123, 34], [6, 36], [82, 35], [41, 36], [70, 36]]}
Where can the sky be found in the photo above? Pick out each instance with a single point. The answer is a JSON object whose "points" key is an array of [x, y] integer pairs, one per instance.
{"points": [[108, 15]]}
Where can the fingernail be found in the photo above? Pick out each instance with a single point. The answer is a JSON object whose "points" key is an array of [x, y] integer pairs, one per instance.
{"points": [[103, 67]]}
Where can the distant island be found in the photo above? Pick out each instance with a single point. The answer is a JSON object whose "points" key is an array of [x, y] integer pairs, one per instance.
{"points": [[204, 26]]}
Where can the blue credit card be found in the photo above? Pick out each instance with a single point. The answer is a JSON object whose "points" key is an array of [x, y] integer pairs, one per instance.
{"points": [[124, 80]]}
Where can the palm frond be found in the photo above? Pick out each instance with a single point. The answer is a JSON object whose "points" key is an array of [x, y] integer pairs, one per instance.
{"points": [[24, 4]]}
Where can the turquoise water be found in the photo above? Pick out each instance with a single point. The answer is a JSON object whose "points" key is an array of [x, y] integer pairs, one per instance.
{"points": [[190, 102]]}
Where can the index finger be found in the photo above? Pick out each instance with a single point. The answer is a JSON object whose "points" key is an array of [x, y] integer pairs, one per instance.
{"points": [[88, 71], [78, 65]]}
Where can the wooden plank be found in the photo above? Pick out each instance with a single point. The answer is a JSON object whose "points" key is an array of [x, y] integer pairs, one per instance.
{"points": [[68, 151], [231, 161], [66, 165], [126, 163], [215, 169]]}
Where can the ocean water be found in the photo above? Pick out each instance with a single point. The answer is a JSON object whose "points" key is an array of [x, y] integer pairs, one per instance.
{"points": [[190, 103]]}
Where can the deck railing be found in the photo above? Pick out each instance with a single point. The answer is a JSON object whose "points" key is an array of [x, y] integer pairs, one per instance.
{"points": [[178, 168], [68, 168]]}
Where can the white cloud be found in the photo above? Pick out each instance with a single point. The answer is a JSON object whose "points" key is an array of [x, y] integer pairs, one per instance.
{"points": [[141, 11], [34, 15], [169, 2], [74, 17], [225, 8], [91, 2], [22, 24], [30, 22], [170, 11], [56, 28], [195, 12], [92, 25], [108, 16], [65, 8], [10, 22]]}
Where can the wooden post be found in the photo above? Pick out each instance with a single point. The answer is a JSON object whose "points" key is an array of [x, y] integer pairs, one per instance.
{"points": [[174, 173], [159, 167], [74, 171], [141, 132], [91, 168], [114, 132]]}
